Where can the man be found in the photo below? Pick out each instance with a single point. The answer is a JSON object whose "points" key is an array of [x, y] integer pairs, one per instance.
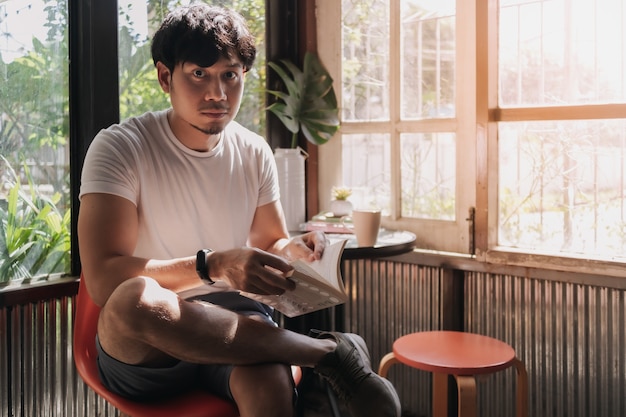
{"points": [[179, 211]]}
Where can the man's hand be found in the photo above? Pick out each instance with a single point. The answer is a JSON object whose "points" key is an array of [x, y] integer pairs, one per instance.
{"points": [[251, 270], [309, 246]]}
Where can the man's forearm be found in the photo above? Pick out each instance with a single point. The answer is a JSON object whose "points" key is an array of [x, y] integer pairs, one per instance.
{"points": [[175, 274], [279, 248]]}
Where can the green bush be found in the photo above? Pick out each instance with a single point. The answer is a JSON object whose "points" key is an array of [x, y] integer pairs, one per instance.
{"points": [[34, 234]]}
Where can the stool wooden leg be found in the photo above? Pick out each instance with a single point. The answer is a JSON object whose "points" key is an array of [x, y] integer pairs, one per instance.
{"points": [[385, 363], [467, 395], [440, 394], [522, 389]]}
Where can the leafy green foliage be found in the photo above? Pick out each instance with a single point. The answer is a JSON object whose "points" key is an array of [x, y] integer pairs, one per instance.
{"points": [[34, 101], [34, 234], [34, 104], [139, 88], [309, 104]]}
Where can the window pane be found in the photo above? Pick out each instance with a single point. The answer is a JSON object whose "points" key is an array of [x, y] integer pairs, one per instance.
{"points": [[428, 175], [34, 175], [556, 52], [139, 89], [563, 186], [365, 61], [365, 162], [428, 59]]}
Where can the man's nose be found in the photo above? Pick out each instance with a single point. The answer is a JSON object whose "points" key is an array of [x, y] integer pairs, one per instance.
{"points": [[215, 91]]}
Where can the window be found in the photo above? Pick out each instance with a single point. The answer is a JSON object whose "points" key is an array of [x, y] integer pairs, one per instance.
{"points": [[400, 140], [34, 176], [561, 180], [497, 133]]}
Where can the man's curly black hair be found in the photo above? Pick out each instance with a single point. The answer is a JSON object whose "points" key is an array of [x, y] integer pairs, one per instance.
{"points": [[201, 34]]}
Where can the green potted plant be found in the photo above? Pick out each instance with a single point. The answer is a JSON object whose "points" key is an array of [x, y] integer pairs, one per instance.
{"points": [[308, 104]]}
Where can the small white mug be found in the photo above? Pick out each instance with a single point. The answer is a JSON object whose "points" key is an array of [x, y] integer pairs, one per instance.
{"points": [[366, 226]]}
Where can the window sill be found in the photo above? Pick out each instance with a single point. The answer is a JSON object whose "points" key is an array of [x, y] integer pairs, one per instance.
{"points": [[553, 268], [16, 293]]}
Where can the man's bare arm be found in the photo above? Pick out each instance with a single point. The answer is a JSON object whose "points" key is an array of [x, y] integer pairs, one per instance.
{"points": [[269, 232], [107, 235]]}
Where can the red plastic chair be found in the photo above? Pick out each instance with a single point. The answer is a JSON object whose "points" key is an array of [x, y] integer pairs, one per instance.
{"points": [[193, 404]]}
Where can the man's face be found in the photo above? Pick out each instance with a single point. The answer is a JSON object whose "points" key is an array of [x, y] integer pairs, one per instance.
{"points": [[204, 98]]}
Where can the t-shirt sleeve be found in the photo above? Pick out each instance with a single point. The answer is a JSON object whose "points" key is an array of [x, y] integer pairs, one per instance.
{"points": [[269, 190], [109, 168]]}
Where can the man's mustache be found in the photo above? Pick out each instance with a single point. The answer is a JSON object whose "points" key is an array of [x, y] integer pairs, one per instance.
{"points": [[214, 107]]}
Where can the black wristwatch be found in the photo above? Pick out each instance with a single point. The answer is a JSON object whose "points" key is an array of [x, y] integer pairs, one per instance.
{"points": [[201, 266]]}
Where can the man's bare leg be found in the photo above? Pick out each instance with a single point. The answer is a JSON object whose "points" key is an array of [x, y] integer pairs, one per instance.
{"points": [[142, 323], [263, 390]]}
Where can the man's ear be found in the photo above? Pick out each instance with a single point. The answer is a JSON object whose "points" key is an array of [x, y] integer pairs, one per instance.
{"points": [[164, 76]]}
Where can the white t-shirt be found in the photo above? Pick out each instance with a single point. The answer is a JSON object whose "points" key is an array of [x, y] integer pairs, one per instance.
{"points": [[186, 200]]}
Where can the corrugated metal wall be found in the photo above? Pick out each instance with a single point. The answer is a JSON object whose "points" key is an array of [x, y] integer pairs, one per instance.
{"points": [[38, 377], [571, 337]]}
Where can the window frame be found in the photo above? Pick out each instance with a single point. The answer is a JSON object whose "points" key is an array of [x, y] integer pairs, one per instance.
{"points": [[475, 124], [93, 89], [431, 234], [94, 105], [489, 114]]}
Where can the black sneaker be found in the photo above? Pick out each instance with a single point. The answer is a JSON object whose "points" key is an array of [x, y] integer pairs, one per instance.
{"points": [[348, 370]]}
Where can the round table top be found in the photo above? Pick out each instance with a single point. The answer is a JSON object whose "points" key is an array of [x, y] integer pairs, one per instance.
{"points": [[389, 243], [455, 353]]}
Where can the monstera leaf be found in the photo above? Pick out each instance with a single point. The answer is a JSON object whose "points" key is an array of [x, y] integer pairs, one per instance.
{"points": [[309, 103]]}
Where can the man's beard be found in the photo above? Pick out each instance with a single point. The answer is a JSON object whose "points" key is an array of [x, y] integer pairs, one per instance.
{"points": [[210, 131]]}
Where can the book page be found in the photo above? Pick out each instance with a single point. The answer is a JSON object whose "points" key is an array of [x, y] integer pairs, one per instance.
{"points": [[325, 269]]}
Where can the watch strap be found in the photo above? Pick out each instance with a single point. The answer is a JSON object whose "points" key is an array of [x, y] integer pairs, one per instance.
{"points": [[202, 268]]}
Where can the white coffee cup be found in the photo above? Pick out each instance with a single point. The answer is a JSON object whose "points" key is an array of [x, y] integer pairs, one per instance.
{"points": [[366, 225]]}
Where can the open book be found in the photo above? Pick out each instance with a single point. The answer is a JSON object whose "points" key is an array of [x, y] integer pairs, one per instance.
{"points": [[318, 285]]}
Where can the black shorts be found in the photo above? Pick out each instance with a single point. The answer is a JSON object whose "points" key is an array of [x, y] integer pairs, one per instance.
{"points": [[145, 384]]}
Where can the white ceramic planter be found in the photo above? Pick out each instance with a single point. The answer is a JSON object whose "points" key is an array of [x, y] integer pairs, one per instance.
{"points": [[291, 179], [341, 207]]}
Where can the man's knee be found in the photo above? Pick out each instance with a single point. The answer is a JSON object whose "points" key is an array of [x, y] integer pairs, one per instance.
{"points": [[135, 302]]}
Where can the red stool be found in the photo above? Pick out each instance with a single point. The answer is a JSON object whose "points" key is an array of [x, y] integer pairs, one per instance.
{"points": [[462, 355]]}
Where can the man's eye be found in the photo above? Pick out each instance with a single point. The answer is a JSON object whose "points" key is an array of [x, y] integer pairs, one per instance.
{"points": [[231, 75], [198, 73]]}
